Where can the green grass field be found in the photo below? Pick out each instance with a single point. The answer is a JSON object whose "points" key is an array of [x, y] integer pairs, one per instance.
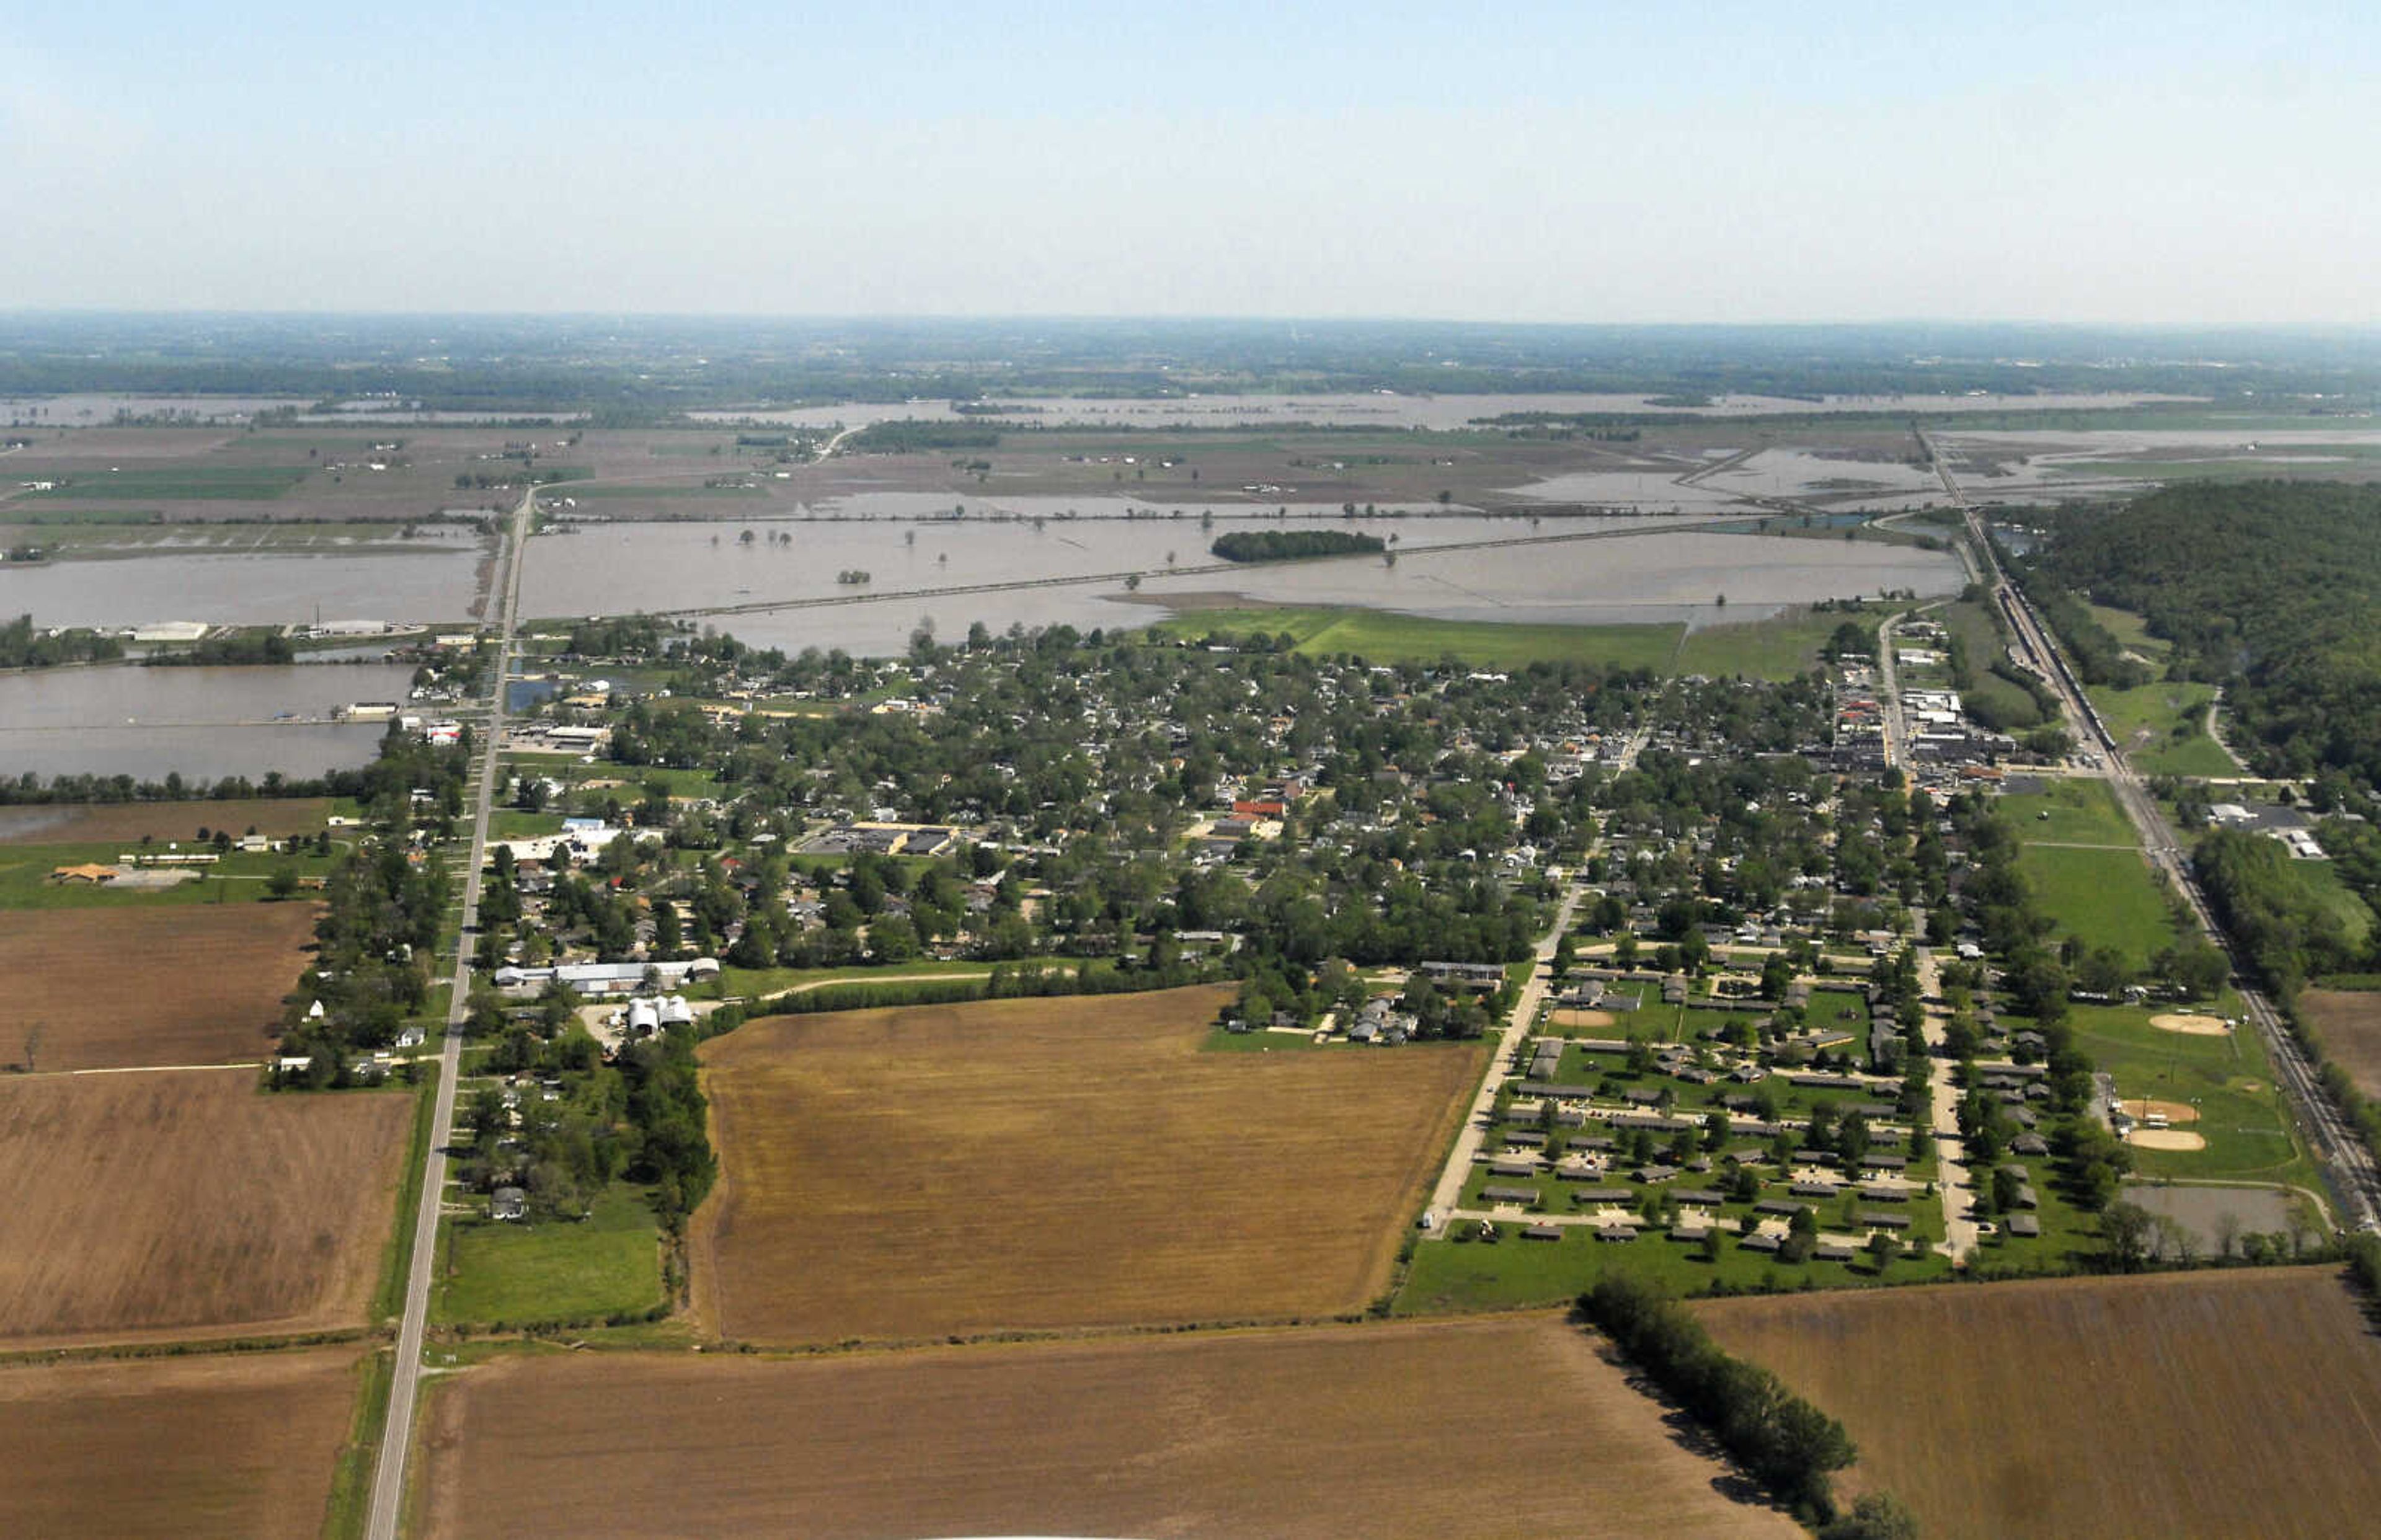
{"points": [[2080, 811], [1513, 1273], [2161, 727], [1778, 648], [255, 483], [2101, 897], [553, 1270], [25, 877], [2227, 1079], [1384, 637]]}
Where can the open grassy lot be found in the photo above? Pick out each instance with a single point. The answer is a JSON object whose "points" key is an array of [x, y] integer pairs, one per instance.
{"points": [[553, 1270], [195, 983], [186, 1205], [2070, 810], [27, 880], [1048, 1164], [2102, 898], [1464, 1276], [2348, 1021], [1382, 636], [2161, 727], [1777, 648], [72, 823], [178, 483], [2179, 1405], [239, 1446], [1513, 1426]]}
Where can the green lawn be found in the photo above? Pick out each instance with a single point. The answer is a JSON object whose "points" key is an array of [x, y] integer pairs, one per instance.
{"points": [[2102, 898], [2129, 629], [1778, 648], [553, 1270], [1449, 1275], [2161, 727], [25, 877], [2080, 811]]}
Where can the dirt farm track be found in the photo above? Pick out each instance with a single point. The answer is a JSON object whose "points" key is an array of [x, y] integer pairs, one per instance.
{"points": [[1050, 1163], [184, 983], [1515, 1426], [236, 1447], [2164, 1407], [187, 1203]]}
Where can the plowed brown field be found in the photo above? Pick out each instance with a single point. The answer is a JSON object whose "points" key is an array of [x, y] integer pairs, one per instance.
{"points": [[2179, 1405], [1044, 1163], [73, 823], [238, 1446], [188, 1204], [1439, 1430], [193, 984], [2348, 1022]]}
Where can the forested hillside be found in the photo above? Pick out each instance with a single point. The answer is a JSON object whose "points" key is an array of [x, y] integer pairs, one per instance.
{"points": [[2271, 587]]}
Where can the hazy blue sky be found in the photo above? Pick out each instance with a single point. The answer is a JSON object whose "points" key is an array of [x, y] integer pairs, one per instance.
{"points": [[1582, 162]]}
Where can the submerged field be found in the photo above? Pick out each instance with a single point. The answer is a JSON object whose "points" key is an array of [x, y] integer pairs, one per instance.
{"points": [[189, 984], [1511, 1427], [187, 1204], [2179, 1405], [239, 1446], [1051, 1164]]}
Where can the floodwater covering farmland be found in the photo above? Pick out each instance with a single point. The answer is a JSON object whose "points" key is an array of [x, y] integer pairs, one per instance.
{"points": [[1653, 576], [206, 723], [426, 582]]}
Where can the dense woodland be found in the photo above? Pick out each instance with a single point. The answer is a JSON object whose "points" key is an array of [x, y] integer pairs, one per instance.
{"points": [[22, 645], [2269, 588]]}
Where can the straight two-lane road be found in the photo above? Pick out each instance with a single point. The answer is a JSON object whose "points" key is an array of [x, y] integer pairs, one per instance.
{"points": [[404, 1388]]}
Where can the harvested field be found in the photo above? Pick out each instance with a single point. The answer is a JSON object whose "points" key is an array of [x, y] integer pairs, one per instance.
{"points": [[187, 1203], [2175, 1405], [74, 823], [196, 983], [2348, 1022], [2190, 1025], [1051, 1164], [239, 1446], [1317, 1433]]}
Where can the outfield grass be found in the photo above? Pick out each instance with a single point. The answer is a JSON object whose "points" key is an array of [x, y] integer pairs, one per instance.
{"points": [[1382, 636], [2227, 1079], [553, 1270], [2080, 811], [2101, 897]]}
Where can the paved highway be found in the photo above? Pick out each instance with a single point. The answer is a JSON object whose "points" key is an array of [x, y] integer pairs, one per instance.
{"points": [[2346, 1162], [397, 1436]]}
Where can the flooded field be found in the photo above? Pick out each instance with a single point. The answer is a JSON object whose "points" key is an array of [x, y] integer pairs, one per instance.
{"points": [[424, 583], [1384, 408], [620, 567], [206, 723], [1654, 577]]}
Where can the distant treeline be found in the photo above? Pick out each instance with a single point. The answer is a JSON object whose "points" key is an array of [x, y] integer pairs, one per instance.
{"points": [[1294, 544], [909, 434], [23, 646], [240, 648]]}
